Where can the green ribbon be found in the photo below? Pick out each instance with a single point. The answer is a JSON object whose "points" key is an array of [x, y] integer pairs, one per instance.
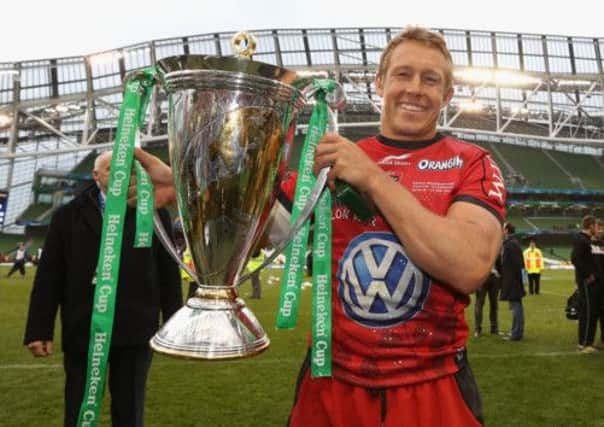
{"points": [[289, 300], [320, 351], [136, 95], [144, 208]]}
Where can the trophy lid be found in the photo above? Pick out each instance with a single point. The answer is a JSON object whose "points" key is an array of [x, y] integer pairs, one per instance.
{"points": [[244, 46], [226, 63]]}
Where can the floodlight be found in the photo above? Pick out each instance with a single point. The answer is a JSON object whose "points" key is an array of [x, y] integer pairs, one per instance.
{"points": [[471, 106], [506, 78], [513, 78], [519, 109], [5, 120]]}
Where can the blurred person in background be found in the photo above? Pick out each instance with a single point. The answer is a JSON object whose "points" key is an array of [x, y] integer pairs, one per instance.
{"points": [[597, 249], [185, 277], [533, 263], [512, 289], [19, 260], [255, 261], [490, 287], [586, 282]]}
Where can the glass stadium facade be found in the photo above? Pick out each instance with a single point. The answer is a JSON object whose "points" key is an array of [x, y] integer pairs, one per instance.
{"points": [[525, 89]]}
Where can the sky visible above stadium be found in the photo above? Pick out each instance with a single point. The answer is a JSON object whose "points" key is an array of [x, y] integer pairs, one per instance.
{"points": [[36, 30]]}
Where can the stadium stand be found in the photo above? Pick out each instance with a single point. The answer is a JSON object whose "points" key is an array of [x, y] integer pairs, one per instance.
{"points": [[536, 102]]}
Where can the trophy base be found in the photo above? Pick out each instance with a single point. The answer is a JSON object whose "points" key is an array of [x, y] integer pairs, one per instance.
{"points": [[213, 325]]}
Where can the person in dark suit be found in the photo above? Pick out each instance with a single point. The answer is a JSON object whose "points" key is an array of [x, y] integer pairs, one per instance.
{"points": [[586, 279], [149, 282], [597, 249], [512, 289], [490, 287]]}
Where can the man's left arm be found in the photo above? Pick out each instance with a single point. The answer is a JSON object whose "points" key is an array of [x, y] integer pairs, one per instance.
{"points": [[458, 248], [169, 275]]}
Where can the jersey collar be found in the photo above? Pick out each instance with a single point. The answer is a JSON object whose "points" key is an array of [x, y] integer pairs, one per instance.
{"points": [[409, 145]]}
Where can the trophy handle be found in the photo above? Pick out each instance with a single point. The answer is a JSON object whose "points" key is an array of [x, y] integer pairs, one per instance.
{"points": [[305, 213], [163, 237], [336, 102]]}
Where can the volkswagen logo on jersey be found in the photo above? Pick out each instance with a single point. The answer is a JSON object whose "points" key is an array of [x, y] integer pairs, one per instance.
{"points": [[378, 285]]}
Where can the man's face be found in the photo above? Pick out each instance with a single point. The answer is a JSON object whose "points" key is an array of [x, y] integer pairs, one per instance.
{"points": [[593, 230], [532, 245], [101, 174], [599, 231], [413, 91]]}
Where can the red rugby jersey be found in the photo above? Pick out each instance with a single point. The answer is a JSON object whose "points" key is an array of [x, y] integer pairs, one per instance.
{"points": [[392, 323]]}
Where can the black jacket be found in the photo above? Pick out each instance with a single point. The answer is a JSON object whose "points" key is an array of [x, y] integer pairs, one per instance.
{"points": [[149, 279], [512, 264], [597, 250], [582, 258]]}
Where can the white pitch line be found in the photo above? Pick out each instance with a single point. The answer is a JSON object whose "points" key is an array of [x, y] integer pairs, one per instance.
{"points": [[31, 366], [264, 361], [513, 355], [555, 294]]}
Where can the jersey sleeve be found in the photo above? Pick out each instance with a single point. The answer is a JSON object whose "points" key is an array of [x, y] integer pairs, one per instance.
{"points": [[482, 184]]}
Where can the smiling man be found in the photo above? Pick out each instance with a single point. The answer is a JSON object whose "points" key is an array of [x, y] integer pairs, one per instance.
{"points": [[402, 280]]}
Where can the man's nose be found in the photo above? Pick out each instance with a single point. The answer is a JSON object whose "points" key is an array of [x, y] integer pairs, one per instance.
{"points": [[414, 84]]}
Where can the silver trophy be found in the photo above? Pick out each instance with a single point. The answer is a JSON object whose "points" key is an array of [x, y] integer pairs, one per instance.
{"points": [[230, 123]]}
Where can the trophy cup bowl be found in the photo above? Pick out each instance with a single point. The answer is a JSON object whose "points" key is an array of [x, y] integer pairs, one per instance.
{"points": [[230, 121]]}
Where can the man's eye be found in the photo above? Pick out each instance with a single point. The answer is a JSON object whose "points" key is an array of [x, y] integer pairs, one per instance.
{"points": [[432, 79]]}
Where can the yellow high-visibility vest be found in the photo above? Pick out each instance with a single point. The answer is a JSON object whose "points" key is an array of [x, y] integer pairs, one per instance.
{"points": [[255, 262], [186, 258], [533, 261]]}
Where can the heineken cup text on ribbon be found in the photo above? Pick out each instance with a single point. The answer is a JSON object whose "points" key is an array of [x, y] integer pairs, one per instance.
{"points": [[136, 94], [287, 313]]}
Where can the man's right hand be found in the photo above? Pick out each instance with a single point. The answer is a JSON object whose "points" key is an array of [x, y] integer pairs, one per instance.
{"points": [[40, 348], [161, 175]]}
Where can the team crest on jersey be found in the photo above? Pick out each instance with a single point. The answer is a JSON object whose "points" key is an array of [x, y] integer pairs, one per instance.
{"points": [[378, 285]]}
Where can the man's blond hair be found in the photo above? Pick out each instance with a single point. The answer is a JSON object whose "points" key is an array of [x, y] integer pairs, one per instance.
{"points": [[421, 35]]}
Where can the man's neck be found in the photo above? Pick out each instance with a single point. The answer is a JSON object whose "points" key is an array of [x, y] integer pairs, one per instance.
{"points": [[413, 144]]}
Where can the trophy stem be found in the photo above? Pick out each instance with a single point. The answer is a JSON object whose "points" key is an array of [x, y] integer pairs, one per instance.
{"points": [[212, 325]]}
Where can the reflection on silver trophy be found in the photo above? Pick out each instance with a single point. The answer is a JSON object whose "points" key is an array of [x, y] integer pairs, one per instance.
{"points": [[230, 122]]}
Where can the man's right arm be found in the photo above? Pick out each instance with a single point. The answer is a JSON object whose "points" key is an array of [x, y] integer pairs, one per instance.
{"points": [[46, 292], [582, 259]]}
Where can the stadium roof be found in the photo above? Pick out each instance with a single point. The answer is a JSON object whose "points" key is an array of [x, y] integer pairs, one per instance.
{"points": [[527, 89], [527, 86]]}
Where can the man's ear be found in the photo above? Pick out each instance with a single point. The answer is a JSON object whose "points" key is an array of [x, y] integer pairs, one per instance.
{"points": [[448, 95], [379, 85]]}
